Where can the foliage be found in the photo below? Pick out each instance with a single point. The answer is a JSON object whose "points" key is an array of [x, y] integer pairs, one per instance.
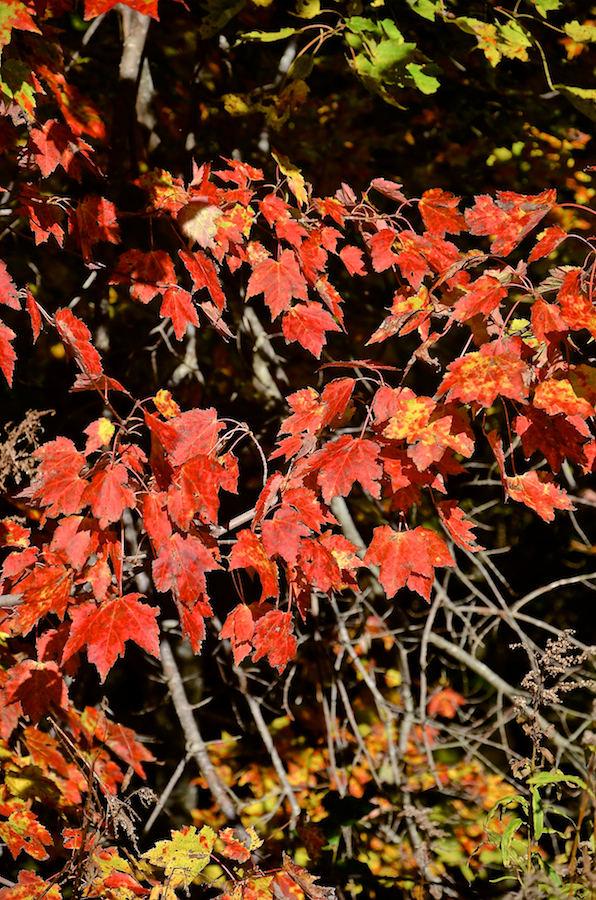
{"points": [[282, 408]]}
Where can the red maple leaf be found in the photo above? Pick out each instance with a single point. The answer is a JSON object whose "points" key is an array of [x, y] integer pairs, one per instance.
{"points": [[75, 541], [95, 8], [204, 275], [555, 437], [486, 374], [547, 242], [148, 273], [282, 534], [9, 295], [239, 628], [556, 395], [75, 334], [35, 685], [44, 216], [510, 217], [547, 320], [480, 296], [249, 553], [274, 638], [308, 324], [180, 567], [440, 214], [177, 304], [457, 526], [352, 260], [278, 280], [445, 703], [46, 589], [15, 15], [109, 495], [319, 565], [23, 831], [407, 558], [343, 462], [94, 220], [380, 246], [57, 484], [538, 491], [193, 433], [577, 310], [195, 491], [104, 630], [155, 519], [233, 848], [45, 750], [122, 741], [7, 353], [54, 144], [34, 315]]}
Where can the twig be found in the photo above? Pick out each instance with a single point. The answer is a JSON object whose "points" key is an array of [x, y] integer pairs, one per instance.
{"points": [[166, 793], [195, 745]]}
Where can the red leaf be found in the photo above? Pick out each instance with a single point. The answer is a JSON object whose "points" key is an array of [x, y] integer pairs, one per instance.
{"points": [[233, 848], [239, 628], [147, 273], [75, 334], [94, 221], [177, 304], [8, 292], [248, 553], [343, 462], [485, 375], [307, 324], [274, 638], [537, 490], [457, 526], [510, 217], [547, 242], [43, 214], [480, 296], [7, 353], [45, 750], [380, 246], [23, 831], [35, 685], [279, 281], [193, 433], [74, 541], [547, 319], [440, 213], [155, 520], [46, 589], [106, 628], [95, 8], [195, 491], [192, 620], [180, 567], [57, 484], [352, 260], [54, 144], [407, 558], [109, 495], [282, 534], [576, 308], [556, 395], [388, 189], [121, 741], [555, 437], [15, 15], [445, 703], [34, 315], [204, 275]]}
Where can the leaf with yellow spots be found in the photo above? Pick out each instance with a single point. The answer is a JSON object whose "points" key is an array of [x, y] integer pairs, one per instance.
{"points": [[184, 856], [100, 433]]}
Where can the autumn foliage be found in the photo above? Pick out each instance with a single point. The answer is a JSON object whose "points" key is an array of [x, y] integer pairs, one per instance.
{"points": [[306, 521]]}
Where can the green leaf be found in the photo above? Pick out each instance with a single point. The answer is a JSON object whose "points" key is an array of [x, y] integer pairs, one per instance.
{"points": [[507, 838], [427, 84], [219, 13], [580, 33], [308, 9], [537, 814], [425, 8], [16, 84], [184, 856], [583, 99], [557, 777], [546, 6], [267, 37]]}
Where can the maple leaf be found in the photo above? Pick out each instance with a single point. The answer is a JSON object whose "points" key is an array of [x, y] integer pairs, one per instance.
{"points": [[35, 685], [34, 315], [407, 558], [576, 308], [75, 334], [100, 433], [166, 404], [538, 491], [204, 275], [94, 220], [121, 741], [279, 281], [45, 750], [233, 846], [43, 215], [180, 567], [274, 638], [484, 375], [445, 703], [9, 295], [440, 214], [239, 628], [13, 534], [343, 462], [184, 856], [104, 630], [178, 306], [457, 526], [7, 353], [556, 437], [155, 520], [46, 589], [249, 553], [556, 395], [147, 273], [307, 324], [510, 217], [74, 540], [352, 260], [480, 296], [548, 241], [29, 886], [283, 532], [410, 310], [319, 565], [95, 8], [195, 490], [54, 144], [23, 831], [380, 246], [14, 14], [389, 189], [109, 495], [547, 319], [193, 433]]}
